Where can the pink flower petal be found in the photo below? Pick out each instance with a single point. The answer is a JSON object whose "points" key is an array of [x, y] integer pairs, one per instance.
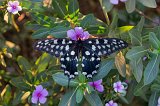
{"points": [[19, 8], [159, 100], [79, 30], [100, 88], [71, 34], [44, 92], [115, 104], [107, 104], [111, 102], [15, 3], [85, 35], [10, 3], [119, 83], [90, 83], [34, 100], [42, 100], [14, 11], [115, 2], [98, 82], [9, 9], [39, 88]]}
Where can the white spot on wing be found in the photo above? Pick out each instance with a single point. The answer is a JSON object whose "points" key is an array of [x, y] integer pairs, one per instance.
{"points": [[72, 53], [87, 53]]}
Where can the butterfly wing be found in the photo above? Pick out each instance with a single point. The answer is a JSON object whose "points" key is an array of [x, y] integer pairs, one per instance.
{"points": [[90, 62], [69, 63], [63, 48], [94, 48], [56, 47], [105, 46]]}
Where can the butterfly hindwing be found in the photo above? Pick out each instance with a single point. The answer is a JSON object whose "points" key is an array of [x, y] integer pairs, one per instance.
{"points": [[90, 62], [105, 46], [69, 63], [56, 47]]}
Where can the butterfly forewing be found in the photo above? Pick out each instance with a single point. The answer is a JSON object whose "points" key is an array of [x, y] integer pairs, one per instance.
{"points": [[56, 47], [104, 46]]}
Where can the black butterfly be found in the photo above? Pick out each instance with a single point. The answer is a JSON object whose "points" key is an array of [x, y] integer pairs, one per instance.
{"points": [[87, 52]]}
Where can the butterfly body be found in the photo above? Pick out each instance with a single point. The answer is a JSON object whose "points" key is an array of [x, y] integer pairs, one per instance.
{"points": [[89, 51]]}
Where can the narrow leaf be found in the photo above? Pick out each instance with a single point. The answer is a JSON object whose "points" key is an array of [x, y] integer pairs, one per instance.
{"points": [[151, 70], [79, 95], [23, 63], [93, 99], [154, 40], [153, 100], [136, 52]]}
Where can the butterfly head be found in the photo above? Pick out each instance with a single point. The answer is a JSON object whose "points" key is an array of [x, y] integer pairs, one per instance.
{"points": [[78, 34]]}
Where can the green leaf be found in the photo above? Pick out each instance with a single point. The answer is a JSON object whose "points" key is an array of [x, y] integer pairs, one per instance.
{"points": [[73, 6], [153, 100], [130, 89], [154, 40], [59, 31], [123, 99], [43, 19], [135, 33], [61, 79], [107, 5], [43, 61], [136, 53], [88, 20], [23, 63], [140, 90], [151, 70], [149, 3], [6, 95], [68, 99], [140, 25], [79, 95], [104, 69], [20, 83], [97, 29], [59, 7], [137, 69], [41, 33], [130, 5], [93, 99]]}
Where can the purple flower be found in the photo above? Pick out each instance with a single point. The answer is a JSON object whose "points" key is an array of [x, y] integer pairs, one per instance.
{"points": [[13, 7], [39, 95], [77, 33], [97, 85], [118, 87], [111, 103], [115, 2]]}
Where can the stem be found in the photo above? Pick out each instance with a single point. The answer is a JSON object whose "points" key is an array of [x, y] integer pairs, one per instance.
{"points": [[147, 17], [14, 23], [105, 13]]}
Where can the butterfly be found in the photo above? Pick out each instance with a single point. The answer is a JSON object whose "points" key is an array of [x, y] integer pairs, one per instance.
{"points": [[80, 53]]}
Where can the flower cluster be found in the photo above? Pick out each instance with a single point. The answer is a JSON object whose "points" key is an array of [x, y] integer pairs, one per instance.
{"points": [[77, 33], [39, 95], [120, 87], [13, 7], [115, 2]]}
